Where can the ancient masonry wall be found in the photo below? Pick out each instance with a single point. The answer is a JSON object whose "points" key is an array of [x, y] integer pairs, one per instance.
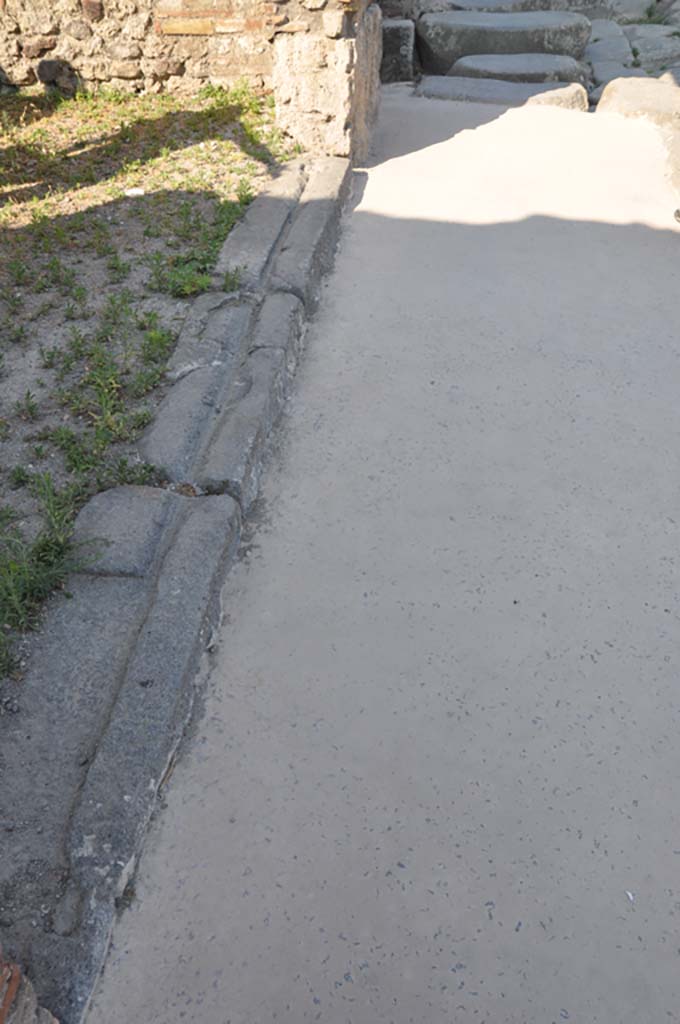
{"points": [[321, 57]]}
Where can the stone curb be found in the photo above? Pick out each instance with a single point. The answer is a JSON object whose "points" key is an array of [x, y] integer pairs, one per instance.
{"points": [[146, 598]]}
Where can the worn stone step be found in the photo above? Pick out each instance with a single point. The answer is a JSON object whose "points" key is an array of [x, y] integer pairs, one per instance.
{"points": [[521, 67], [506, 94], [446, 36], [505, 6]]}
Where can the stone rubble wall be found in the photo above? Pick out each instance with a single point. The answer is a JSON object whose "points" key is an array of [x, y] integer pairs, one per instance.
{"points": [[320, 56]]}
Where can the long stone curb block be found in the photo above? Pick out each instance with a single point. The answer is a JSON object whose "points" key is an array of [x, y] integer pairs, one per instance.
{"points": [[250, 245], [133, 752], [308, 250], [188, 413], [281, 324], [120, 791], [213, 332], [234, 459], [66, 698], [203, 370], [119, 531]]}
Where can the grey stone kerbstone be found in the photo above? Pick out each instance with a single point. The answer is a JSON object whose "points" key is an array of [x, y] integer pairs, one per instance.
{"points": [[186, 417], [507, 94], [521, 67], [251, 244], [146, 724], [281, 324], [233, 462], [399, 37], [444, 38], [308, 249], [121, 529], [216, 327]]}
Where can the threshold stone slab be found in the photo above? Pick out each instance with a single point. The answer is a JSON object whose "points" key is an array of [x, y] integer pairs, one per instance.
{"points": [[505, 94]]}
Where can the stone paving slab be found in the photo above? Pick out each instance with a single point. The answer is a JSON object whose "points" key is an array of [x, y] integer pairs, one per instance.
{"points": [[502, 93], [654, 45], [251, 244]]}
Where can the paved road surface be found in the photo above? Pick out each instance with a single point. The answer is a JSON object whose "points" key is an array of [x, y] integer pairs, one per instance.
{"points": [[438, 775]]}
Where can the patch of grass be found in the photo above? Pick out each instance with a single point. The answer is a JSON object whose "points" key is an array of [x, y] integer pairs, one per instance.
{"points": [[156, 346], [18, 477], [232, 280], [31, 570]]}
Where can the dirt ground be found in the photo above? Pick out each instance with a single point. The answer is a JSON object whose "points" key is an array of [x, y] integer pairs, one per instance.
{"points": [[112, 211]]}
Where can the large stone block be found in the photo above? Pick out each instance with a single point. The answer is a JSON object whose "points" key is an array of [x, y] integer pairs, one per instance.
{"points": [[444, 38], [399, 36]]}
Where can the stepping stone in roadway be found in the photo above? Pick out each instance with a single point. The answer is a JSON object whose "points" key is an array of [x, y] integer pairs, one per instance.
{"points": [[444, 37], [506, 6], [506, 94], [521, 67]]}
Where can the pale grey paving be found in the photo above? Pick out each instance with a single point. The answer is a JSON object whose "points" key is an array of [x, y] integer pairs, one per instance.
{"points": [[437, 775]]}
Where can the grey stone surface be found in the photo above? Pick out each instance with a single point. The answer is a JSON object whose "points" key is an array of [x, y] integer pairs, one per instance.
{"points": [[308, 249], [608, 42], [399, 38], [502, 93], [629, 10], [216, 329], [521, 67], [440, 737], [654, 45], [74, 671], [184, 421], [233, 462], [121, 529], [413, 9], [146, 723], [250, 245], [280, 324], [606, 71], [443, 38]]}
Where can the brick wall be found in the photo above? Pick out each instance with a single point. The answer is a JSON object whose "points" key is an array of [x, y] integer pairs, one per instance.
{"points": [[310, 51]]}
